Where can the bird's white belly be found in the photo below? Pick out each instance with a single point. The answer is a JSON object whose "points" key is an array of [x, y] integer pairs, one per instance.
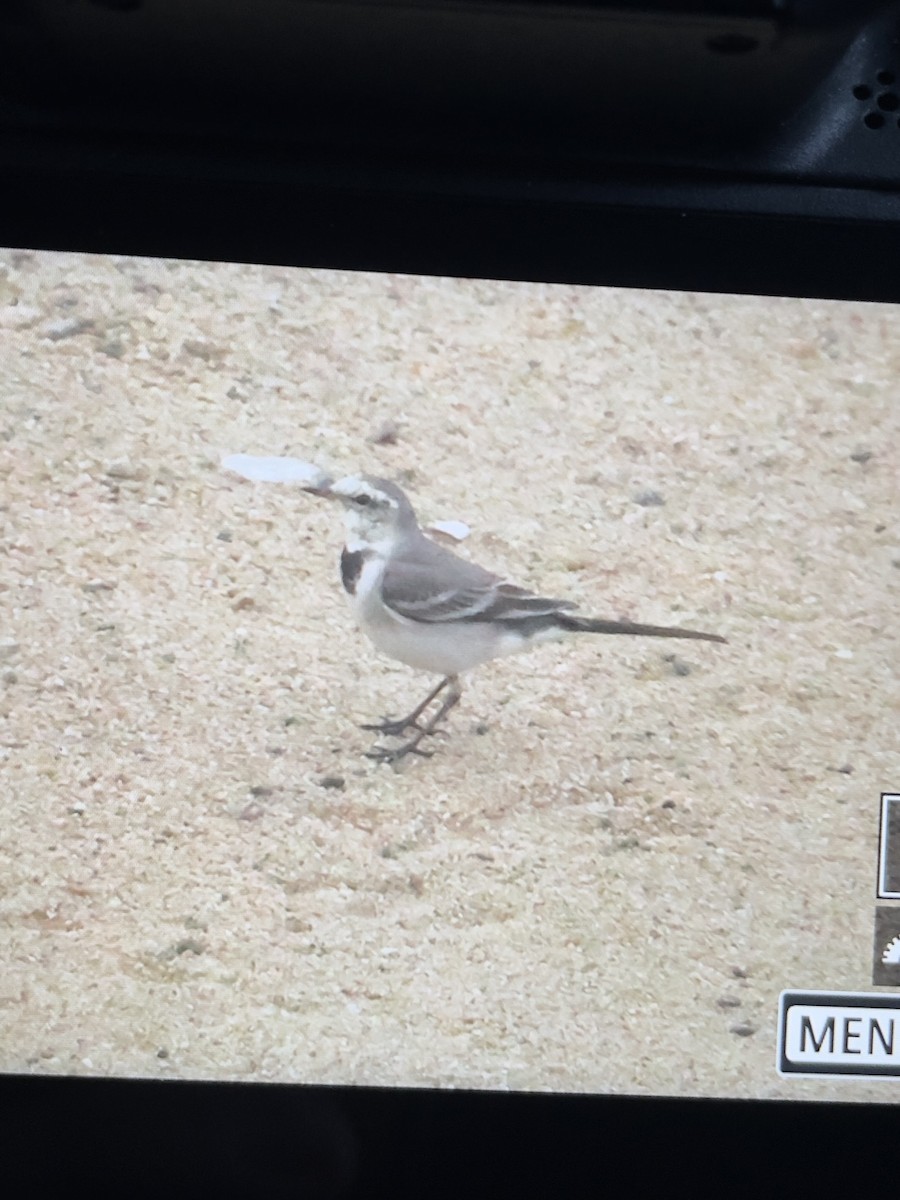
{"points": [[442, 648]]}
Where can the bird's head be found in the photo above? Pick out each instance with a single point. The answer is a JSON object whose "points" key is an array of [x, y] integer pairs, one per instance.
{"points": [[376, 511]]}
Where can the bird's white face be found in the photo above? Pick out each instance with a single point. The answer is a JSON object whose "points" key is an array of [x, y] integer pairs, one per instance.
{"points": [[371, 516]]}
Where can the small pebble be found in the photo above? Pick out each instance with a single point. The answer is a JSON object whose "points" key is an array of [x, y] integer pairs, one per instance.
{"points": [[19, 316], [678, 665], [744, 1029], [200, 349], [387, 434], [68, 328], [261, 791], [728, 1002], [333, 781], [189, 946], [124, 470], [649, 499], [627, 843], [861, 456]]}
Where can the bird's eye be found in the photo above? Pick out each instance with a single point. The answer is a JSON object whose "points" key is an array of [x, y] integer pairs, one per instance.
{"points": [[362, 498]]}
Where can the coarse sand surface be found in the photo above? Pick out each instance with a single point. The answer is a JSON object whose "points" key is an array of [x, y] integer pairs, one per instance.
{"points": [[622, 850]]}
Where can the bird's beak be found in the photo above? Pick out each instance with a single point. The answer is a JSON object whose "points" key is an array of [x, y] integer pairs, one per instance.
{"points": [[322, 488]]}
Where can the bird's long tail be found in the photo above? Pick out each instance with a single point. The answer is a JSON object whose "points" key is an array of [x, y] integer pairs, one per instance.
{"points": [[593, 625]]}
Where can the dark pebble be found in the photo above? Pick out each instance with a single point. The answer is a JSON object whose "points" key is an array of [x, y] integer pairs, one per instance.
{"points": [[649, 499], [189, 946], [67, 329], [201, 349], [387, 434]]}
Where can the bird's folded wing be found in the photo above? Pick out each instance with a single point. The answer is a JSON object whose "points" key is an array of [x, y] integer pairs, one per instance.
{"points": [[434, 593]]}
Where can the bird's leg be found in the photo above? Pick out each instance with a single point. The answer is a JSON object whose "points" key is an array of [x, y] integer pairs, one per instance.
{"points": [[396, 728], [383, 754]]}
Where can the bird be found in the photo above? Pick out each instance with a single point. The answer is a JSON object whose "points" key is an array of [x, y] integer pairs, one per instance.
{"points": [[427, 607]]}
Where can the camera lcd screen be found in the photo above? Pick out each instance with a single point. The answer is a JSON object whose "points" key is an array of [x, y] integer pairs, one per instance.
{"points": [[606, 865]]}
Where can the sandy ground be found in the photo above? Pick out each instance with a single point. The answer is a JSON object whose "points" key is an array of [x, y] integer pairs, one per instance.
{"points": [[617, 858]]}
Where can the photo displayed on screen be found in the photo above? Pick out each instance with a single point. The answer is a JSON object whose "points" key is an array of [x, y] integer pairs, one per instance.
{"points": [[445, 682]]}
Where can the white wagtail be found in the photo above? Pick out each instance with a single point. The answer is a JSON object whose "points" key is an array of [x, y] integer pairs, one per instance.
{"points": [[432, 610]]}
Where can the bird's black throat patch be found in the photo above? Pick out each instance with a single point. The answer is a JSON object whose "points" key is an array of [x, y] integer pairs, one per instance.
{"points": [[352, 562]]}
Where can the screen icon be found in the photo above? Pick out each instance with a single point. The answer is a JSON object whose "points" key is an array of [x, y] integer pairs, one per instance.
{"points": [[886, 954], [889, 848], [839, 1033]]}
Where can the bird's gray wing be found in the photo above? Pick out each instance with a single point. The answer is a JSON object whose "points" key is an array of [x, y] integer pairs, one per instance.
{"points": [[435, 586]]}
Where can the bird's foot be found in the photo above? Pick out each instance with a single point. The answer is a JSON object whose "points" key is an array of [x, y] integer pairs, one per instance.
{"points": [[393, 728], [392, 754]]}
